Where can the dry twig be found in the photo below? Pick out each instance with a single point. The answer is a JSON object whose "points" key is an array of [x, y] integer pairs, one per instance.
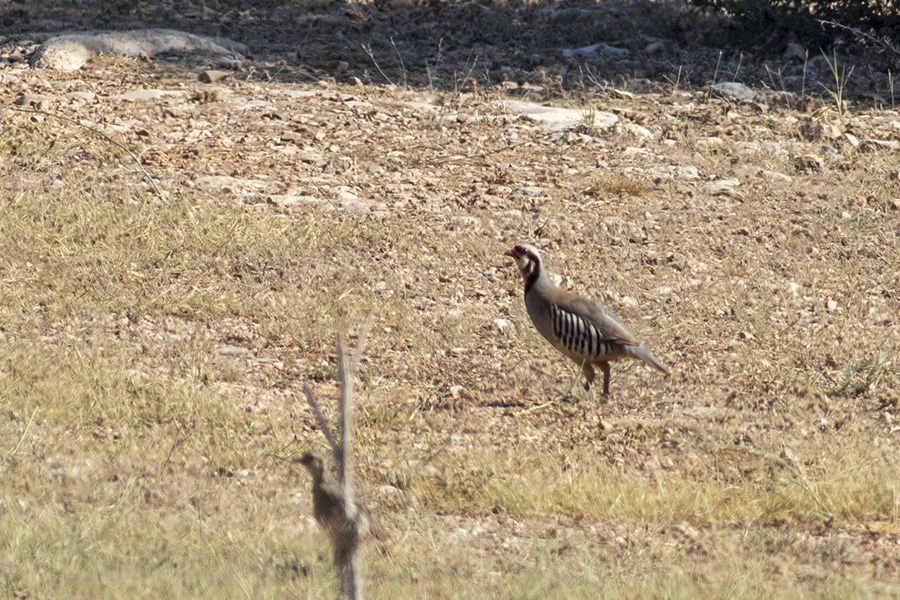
{"points": [[335, 506]]}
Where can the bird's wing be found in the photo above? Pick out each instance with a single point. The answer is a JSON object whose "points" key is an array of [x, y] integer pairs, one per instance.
{"points": [[607, 323]]}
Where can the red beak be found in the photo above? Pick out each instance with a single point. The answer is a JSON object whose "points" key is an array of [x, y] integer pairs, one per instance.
{"points": [[511, 253]]}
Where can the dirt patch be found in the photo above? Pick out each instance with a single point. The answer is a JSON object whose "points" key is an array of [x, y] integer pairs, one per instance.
{"points": [[176, 256]]}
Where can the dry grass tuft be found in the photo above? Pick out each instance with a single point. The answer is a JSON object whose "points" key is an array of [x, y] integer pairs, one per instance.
{"points": [[602, 186]]}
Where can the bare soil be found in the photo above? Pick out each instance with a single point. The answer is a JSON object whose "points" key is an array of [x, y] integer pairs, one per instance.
{"points": [[159, 335]]}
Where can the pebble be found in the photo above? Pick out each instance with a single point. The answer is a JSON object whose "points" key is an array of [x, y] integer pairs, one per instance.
{"points": [[529, 191], [229, 63], [879, 145], [353, 203], [638, 130], [722, 186], [558, 119], [736, 91], [388, 490], [86, 97], [213, 76], [35, 100], [811, 162], [501, 325], [153, 94], [674, 172]]}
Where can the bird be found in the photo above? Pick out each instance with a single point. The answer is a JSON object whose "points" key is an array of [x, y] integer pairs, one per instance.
{"points": [[329, 509], [579, 328]]}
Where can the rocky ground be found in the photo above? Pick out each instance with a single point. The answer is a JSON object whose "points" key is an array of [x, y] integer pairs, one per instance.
{"points": [[200, 223]]}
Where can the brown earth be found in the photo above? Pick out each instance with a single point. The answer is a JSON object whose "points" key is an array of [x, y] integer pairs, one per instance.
{"points": [[158, 336]]}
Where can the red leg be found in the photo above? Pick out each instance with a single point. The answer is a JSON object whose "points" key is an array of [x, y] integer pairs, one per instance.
{"points": [[604, 366]]}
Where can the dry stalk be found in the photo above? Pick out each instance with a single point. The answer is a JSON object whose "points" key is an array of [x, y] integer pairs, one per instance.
{"points": [[346, 539], [320, 418]]}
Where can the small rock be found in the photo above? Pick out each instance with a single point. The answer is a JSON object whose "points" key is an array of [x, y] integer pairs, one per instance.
{"points": [[710, 141], [722, 186], [879, 145], [134, 95], [86, 97], [813, 131], [558, 119], [229, 63], [781, 99], [788, 454], [459, 535], [811, 162], [655, 47], [262, 105], [34, 100], [69, 52], [213, 76], [388, 490], [232, 350], [775, 176], [737, 91], [501, 325], [796, 52], [353, 203], [674, 172], [456, 391], [637, 130], [831, 131], [354, 81], [529, 191], [430, 471], [595, 50], [831, 305], [292, 137]]}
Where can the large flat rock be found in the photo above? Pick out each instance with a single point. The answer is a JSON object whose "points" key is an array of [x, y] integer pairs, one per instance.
{"points": [[70, 52]]}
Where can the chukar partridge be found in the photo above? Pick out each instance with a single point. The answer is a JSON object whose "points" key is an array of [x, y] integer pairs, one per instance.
{"points": [[579, 328]]}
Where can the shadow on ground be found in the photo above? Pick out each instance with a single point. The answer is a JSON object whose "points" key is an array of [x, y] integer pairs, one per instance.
{"points": [[548, 49]]}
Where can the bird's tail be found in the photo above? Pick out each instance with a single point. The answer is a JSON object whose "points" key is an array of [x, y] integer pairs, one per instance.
{"points": [[645, 355]]}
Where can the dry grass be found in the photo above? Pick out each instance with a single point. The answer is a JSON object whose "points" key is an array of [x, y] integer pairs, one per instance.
{"points": [[146, 456], [602, 187], [153, 353]]}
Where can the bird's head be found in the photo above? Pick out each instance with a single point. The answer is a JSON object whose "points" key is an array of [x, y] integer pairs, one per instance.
{"points": [[313, 463], [527, 258]]}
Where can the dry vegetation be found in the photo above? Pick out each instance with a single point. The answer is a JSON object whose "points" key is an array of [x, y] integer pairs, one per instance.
{"points": [[155, 348]]}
